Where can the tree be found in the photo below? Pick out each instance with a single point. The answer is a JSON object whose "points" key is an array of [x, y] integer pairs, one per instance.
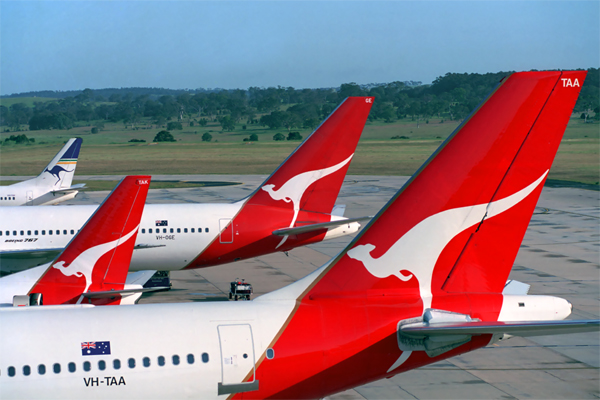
{"points": [[164, 136], [278, 137], [202, 122], [252, 138], [206, 137], [294, 136], [174, 125], [227, 123]]}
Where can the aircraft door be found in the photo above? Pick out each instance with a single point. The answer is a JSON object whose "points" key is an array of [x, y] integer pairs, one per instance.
{"points": [[237, 359], [29, 198], [226, 229]]}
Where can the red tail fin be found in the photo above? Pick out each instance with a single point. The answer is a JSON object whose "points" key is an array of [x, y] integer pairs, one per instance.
{"points": [[311, 177], [456, 226], [98, 257]]}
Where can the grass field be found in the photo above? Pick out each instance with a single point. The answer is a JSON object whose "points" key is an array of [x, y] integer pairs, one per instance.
{"points": [[110, 153]]}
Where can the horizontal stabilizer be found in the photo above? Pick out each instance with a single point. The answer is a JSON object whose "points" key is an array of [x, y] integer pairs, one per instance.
{"points": [[147, 246], [139, 277], [69, 189], [526, 328], [338, 210], [313, 227], [515, 288], [110, 293]]}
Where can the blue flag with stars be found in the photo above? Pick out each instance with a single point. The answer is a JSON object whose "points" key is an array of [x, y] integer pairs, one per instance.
{"points": [[95, 348]]}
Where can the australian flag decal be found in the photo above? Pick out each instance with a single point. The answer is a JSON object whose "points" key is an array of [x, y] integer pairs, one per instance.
{"points": [[163, 222], [95, 348]]}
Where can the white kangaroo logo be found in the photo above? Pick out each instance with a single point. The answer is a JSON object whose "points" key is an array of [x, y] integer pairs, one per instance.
{"points": [[419, 249], [294, 189], [84, 263]]}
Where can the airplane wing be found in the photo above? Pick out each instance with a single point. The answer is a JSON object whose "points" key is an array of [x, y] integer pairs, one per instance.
{"points": [[524, 328], [313, 227]]}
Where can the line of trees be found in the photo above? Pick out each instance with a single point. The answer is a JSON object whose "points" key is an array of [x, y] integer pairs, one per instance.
{"points": [[451, 96]]}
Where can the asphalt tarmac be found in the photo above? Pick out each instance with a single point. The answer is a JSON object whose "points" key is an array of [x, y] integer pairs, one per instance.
{"points": [[559, 256]]}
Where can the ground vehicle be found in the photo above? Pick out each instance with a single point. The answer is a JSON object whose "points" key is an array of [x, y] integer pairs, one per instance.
{"points": [[240, 289]]}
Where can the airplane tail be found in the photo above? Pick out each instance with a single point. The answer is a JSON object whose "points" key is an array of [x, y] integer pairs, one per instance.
{"points": [[60, 171], [457, 225], [97, 259], [311, 177]]}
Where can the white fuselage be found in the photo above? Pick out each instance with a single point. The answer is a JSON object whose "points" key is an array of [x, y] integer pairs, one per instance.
{"points": [[190, 229], [31, 193], [201, 345]]}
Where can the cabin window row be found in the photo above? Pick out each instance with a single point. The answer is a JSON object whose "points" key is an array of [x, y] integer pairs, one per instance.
{"points": [[116, 364], [173, 230], [36, 232], [7, 198]]}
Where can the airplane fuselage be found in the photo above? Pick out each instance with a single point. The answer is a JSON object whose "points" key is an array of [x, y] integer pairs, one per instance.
{"points": [[273, 346], [28, 193], [171, 236]]}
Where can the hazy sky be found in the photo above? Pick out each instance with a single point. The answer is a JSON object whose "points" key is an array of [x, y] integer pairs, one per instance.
{"points": [[56, 45]]}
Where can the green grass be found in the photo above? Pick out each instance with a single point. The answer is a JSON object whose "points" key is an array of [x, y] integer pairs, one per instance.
{"points": [[110, 152]]}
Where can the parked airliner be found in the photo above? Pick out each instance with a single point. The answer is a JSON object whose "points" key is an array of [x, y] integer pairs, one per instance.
{"points": [[292, 208], [52, 186], [424, 281], [99, 253]]}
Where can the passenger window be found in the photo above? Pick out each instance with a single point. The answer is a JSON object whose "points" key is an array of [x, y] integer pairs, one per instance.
{"points": [[50, 232], [171, 230], [87, 366], [43, 232], [206, 230], [150, 230], [146, 362], [56, 368], [64, 232], [72, 232], [184, 230], [178, 230], [36, 232], [22, 233], [190, 358], [116, 364], [131, 362], [72, 367], [164, 230], [204, 357], [175, 360], [0, 233], [161, 361], [58, 231], [143, 231], [41, 369], [7, 233], [11, 371], [28, 233], [270, 354], [14, 233], [193, 230], [101, 365], [26, 370]]}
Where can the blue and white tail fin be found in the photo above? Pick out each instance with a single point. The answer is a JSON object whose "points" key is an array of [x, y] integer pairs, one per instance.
{"points": [[59, 173]]}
